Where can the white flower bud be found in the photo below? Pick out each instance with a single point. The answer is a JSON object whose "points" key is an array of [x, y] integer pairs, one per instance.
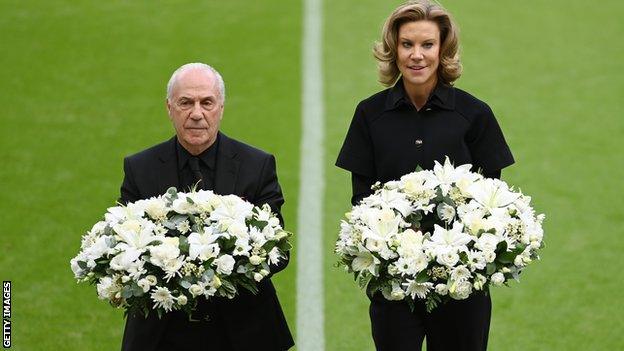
{"points": [[497, 279], [258, 277], [196, 290], [152, 280], [182, 300]]}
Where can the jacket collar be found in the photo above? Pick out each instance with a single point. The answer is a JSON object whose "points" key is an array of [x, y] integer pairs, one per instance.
{"points": [[228, 165], [226, 172], [442, 96]]}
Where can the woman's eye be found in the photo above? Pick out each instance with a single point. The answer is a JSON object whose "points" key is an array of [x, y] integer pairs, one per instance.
{"points": [[405, 44], [428, 45]]}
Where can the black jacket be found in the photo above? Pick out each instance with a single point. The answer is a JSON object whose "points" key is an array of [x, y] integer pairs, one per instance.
{"points": [[248, 322]]}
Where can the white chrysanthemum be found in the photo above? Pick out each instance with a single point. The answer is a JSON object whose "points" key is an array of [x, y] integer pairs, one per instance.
{"points": [[275, 256], [446, 212], [476, 260], [172, 268], [108, 287], [165, 252], [417, 290], [183, 226], [258, 237], [156, 208], [460, 273], [162, 298]]}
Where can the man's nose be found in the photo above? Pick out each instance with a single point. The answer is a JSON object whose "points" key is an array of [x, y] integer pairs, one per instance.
{"points": [[196, 111]]}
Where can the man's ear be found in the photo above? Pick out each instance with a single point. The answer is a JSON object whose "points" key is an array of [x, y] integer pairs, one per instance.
{"points": [[168, 106]]}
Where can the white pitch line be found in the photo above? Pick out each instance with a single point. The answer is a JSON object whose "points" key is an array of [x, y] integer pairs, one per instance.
{"points": [[310, 300]]}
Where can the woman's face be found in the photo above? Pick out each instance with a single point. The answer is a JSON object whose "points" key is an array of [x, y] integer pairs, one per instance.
{"points": [[418, 53]]}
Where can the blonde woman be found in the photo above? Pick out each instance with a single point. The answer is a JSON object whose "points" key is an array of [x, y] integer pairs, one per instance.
{"points": [[419, 119]]}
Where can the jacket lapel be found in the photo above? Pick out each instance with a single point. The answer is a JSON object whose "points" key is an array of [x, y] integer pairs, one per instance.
{"points": [[167, 173], [227, 166]]}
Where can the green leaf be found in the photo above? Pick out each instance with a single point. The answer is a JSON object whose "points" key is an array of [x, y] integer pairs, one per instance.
{"points": [[490, 268], [422, 277], [506, 257], [183, 244], [502, 246], [126, 292]]}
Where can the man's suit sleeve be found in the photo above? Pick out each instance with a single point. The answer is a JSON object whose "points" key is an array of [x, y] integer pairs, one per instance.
{"points": [[269, 192], [129, 190]]}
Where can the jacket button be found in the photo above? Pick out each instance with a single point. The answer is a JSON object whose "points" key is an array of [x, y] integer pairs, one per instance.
{"points": [[418, 142]]}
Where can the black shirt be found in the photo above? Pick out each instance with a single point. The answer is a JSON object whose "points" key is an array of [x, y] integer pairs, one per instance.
{"points": [[388, 137], [207, 166]]}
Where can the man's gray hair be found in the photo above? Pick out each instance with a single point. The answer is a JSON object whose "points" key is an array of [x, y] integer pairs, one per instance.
{"points": [[196, 65]]}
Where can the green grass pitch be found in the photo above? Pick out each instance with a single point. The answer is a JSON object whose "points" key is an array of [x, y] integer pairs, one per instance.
{"points": [[83, 84]]}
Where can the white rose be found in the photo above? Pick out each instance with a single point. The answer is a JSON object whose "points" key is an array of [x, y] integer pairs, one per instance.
{"points": [[441, 289], [196, 290], [447, 257], [258, 277], [182, 300], [460, 290], [255, 260], [497, 279], [225, 264]]}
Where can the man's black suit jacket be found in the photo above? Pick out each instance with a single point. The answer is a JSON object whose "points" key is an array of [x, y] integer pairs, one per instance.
{"points": [[251, 322]]}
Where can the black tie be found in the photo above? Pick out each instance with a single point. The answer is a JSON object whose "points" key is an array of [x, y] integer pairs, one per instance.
{"points": [[194, 164]]}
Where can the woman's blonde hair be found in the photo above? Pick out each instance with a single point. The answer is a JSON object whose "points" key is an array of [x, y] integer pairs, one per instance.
{"points": [[386, 51]]}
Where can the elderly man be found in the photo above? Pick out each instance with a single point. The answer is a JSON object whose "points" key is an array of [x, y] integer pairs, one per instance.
{"points": [[200, 154]]}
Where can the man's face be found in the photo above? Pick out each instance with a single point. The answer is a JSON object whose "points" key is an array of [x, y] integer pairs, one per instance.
{"points": [[196, 108]]}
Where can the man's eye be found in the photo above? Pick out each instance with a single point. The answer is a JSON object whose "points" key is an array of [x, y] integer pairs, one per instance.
{"points": [[184, 103]]}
